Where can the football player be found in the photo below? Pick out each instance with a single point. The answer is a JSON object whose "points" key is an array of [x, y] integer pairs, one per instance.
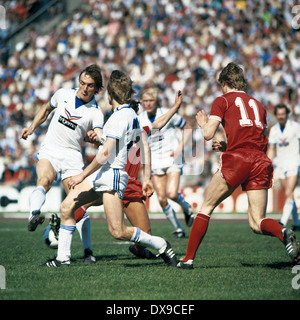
{"points": [[244, 163], [166, 159], [76, 112], [284, 150]]}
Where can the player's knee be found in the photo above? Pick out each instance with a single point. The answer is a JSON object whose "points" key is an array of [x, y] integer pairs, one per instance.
{"points": [[65, 210], [172, 195], [163, 201], [46, 182], [117, 233]]}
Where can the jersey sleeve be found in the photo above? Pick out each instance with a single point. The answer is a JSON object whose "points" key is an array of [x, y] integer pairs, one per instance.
{"points": [[272, 139], [218, 109], [178, 121], [55, 98], [98, 119]]}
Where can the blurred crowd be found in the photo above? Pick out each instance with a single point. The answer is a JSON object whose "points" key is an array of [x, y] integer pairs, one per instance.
{"points": [[169, 44]]}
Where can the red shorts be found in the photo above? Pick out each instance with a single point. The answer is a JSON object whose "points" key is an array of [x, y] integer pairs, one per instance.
{"points": [[251, 169], [133, 192]]}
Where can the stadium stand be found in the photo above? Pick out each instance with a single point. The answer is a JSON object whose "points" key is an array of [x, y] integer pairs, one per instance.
{"points": [[171, 44]]}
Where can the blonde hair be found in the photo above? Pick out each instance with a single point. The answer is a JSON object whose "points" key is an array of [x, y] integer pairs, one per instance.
{"points": [[151, 92]]}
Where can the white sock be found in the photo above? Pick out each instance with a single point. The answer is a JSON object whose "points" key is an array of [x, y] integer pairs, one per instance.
{"points": [[64, 242], [147, 240], [171, 216], [181, 201], [287, 210], [37, 199], [295, 215], [84, 229]]}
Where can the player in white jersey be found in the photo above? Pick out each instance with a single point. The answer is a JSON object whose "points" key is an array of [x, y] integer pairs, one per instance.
{"points": [[76, 112], [166, 159], [105, 177], [284, 150]]}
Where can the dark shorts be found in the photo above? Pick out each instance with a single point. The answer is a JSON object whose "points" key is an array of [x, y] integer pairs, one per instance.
{"points": [[252, 169], [133, 192]]}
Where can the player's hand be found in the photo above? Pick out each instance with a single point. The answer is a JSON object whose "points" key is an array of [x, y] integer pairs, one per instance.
{"points": [[178, 98], [201, 118], [75, 180], [25, 133], [91, 136], [219, 146], [148, 188]]}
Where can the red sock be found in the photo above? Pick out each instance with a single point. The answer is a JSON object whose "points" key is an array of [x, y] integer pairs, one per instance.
{"points": [[198, 232], [272, 228], [79, 213]]}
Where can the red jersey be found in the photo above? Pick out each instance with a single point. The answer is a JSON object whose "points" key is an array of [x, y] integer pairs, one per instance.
{"points": [[133, 159], [244, 120]]}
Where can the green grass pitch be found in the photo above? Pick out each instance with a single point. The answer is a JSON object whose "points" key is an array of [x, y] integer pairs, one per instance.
{"points": [[231, 264]]}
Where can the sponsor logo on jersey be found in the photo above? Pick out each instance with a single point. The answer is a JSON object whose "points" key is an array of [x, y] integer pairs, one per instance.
{"points": [[68, 120]]}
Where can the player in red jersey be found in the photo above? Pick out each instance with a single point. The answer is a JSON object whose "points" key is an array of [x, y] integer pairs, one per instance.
{"points": [[244, 162]]}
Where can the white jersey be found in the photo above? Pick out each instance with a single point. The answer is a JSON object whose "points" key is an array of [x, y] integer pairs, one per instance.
{"points": [[71, 120], [162, 142], [123, 125], [287, 144]]}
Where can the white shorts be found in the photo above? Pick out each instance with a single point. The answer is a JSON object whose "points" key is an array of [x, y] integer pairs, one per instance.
{"points": [[66, 162], [109, 179], [164, 171], [284, 172]]}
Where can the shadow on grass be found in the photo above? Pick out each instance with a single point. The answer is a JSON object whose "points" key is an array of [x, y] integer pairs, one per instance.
{"points": [[274, 265]]}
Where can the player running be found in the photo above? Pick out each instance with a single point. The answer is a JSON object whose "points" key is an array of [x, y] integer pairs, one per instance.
{"points": [[76, 112], [105, 178], [166, 159], [284, 150], [243, 163]]}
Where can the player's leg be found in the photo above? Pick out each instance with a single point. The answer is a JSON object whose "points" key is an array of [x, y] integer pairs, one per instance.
{"points": [[45, 177], [160, 185], [257, 200], [137, 215], [118, 229], [83, 226], [173, 180], [217, 191], [289, 184], [77, 197]]}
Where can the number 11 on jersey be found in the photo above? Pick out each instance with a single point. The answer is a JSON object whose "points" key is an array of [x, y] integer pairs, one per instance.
{"points": [[245, 121]]}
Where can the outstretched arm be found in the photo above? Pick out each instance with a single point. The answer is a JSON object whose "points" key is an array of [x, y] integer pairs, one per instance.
{"points": [[160, 122], [39, 118]]}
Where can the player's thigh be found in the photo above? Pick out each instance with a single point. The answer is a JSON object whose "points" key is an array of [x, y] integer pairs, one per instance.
{"points": [[137, 214], [257, 205], [173, 184], [81, 195], [289, 186], [45, 173], [160, 183], [216, 192], [113, 208]]}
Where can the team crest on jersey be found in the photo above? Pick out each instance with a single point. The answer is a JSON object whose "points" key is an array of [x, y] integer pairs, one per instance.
{"points": [[68, 121]]}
